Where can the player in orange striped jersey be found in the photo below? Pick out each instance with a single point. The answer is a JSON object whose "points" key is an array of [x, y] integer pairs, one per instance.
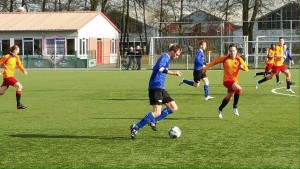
{"points": [[232, 65], [10, 61], [279, 67], [269, 62]]}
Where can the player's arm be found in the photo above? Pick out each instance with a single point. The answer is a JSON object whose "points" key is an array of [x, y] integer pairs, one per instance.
{"points": [[2, 60], [290, 57], [213, 63], [243, 65], [169, 72], [20, 66]]}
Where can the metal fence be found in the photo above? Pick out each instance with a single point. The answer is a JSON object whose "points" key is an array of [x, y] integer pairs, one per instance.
{"points": [[254, 52]]}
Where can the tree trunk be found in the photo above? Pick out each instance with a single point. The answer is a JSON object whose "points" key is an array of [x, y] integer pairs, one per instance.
{"points": [[160, 17], [126, 25], [55, 5], [245, 4], [44, 5], [69, 5], [11, 7], [136, 15], [103, 6], [180, 18], [94, 5], [122, 30], [145, 28]]}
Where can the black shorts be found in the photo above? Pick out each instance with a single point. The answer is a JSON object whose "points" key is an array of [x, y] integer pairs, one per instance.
{"points": [[198, 75], [159, 96]]}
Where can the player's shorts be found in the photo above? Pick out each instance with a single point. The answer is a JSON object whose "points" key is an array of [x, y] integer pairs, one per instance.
{"points": [[281, 68], [198, 75], [228, 84], [268, 67], [9, 81], [159, 96]]}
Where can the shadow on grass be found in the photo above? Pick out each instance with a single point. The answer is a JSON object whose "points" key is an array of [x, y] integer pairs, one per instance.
{"points": [[68, 136], [168, 118], [126, 99]]}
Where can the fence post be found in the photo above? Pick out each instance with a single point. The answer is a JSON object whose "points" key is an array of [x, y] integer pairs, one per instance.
{"points": [[209, 56]]}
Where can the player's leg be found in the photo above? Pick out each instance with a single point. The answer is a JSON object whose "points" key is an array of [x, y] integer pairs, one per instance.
{"points": [[277, 79], [224, 103], [3, 89], [206, 88], [288, 80], [19, 89], [237, 91], [268, 77], [155, 98], [144, 121], [195, 83], [258, 73], [171, 107], [228, 84]]}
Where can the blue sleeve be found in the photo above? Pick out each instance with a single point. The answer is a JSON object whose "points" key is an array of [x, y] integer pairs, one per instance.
{"points": [[199, 60], [289, 55]]}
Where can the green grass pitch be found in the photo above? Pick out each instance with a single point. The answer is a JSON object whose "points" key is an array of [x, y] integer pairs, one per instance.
{"points": [[81, 119]]}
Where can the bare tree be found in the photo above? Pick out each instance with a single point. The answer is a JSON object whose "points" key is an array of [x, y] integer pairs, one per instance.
{"points": [[94, 5], [104, 6], [44, 2], [122, 29], [11, 7]]}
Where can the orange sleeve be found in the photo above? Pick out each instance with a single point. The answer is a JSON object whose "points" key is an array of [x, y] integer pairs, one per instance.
{"points": [[246, 69], [3, 59], [214, 62], [19, 64]]}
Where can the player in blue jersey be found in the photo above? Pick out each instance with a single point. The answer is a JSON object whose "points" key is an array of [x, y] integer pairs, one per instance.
{"points": [[157, 93], [199, 64]]}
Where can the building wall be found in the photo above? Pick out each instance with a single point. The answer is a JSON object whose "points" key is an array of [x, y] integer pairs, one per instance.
{"points": [[99, 27]]}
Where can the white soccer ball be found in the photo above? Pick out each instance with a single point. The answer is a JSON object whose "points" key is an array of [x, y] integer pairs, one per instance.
{"points": [[174, 132]]}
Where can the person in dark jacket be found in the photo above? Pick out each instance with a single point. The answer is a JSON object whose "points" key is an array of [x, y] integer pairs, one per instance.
{"points": [[130, 55], [138, 57]]}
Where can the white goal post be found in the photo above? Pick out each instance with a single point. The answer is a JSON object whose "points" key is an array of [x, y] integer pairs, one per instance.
{"points": [[216, 47]]}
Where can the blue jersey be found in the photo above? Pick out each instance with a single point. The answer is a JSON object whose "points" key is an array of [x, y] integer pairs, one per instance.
{"points": [[158, 78], [288, 55], [199, 60]]}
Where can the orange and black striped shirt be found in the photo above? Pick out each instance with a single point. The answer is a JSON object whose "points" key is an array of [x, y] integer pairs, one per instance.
{"points": [[278, 59], [231, 67], [9, 65]]}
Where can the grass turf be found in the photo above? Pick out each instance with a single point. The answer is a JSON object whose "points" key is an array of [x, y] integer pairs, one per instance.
{"points": [[81, 119]]}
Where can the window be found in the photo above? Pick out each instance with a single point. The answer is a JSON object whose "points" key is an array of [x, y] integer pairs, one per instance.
{"points": [[70, 46], [5, 47], [80, 46], [113, 46], [55, 46], [37, 46], [83, 46], [28, 46]]}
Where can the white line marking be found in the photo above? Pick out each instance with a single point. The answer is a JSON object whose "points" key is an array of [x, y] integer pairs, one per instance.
{"points": [[275, 92]]}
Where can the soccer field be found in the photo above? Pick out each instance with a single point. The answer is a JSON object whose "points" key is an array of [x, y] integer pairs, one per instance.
{"points": [[81, 119]]}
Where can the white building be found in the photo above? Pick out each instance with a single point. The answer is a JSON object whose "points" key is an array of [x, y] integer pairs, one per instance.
{"points": [[60, 37]]}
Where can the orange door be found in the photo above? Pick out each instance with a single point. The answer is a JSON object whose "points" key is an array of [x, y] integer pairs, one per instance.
{"points": [[99, 52]]}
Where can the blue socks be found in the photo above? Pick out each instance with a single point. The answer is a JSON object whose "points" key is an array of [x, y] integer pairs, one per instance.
{"points": [[206, 90], [191, 83], [147, 119], [164, 113]]}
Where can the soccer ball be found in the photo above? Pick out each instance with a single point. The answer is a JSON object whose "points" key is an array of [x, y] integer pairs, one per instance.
{"points": [[174, 132]]}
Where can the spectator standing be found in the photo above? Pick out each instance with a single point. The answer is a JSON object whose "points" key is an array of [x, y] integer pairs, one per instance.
{"points": [[138, 57]]}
